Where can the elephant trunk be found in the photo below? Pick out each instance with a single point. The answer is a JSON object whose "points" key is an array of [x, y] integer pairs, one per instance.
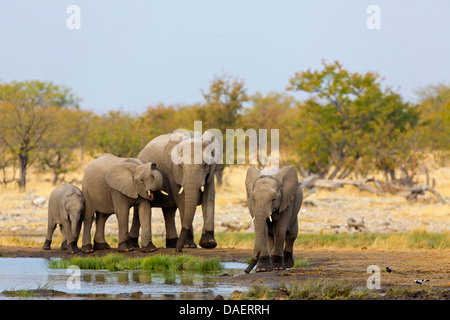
{"points": [[191, 197], [74, 227], [260, 248]]}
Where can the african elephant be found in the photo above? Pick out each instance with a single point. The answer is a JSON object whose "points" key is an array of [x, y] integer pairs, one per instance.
{"points": [[188, 183], [274, 202], [66, 208], [112, 185]]}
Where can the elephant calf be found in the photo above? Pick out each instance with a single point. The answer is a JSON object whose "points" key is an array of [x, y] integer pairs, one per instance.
{"points": [[274, 202], [112, 185], [66, 208]]}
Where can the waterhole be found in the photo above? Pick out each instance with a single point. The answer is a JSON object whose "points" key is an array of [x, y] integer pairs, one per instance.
{"points": [[33, 273]]}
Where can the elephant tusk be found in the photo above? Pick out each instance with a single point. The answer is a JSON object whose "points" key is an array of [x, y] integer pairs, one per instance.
{"points": [[202, 188], [149, 193], [181, 190], [253, 219], [164, 193], [270, 218]]}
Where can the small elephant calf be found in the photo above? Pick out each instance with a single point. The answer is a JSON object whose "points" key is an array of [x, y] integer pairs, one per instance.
{"points": [[274, 202], [66, 208]]}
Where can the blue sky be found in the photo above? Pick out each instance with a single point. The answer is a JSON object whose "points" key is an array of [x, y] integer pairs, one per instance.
{"points": [[132, 54]]}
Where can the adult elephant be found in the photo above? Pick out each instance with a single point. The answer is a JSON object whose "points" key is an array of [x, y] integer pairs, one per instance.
{"points": [[112, 185], [274, 202], [189, 183]]}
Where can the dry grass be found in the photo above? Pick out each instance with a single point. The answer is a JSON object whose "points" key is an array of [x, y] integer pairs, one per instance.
{"points": [[24, 224]]}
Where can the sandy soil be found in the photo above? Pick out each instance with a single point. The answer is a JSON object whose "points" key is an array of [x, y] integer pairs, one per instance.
{"points": [[25, 214]]}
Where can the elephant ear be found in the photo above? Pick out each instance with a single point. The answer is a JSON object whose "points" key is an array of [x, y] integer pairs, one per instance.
{"points": [[120, 178], [252, 175], [289, 185]]}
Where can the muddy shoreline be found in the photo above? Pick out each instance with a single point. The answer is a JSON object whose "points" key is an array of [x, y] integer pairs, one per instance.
{"points": [[347, 266]]}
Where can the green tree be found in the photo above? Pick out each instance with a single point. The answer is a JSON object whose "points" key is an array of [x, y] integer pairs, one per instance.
{"points": [[350, 123], [272, 111], [434, 105], [26, 117], [224, 102], [119, 133], [68, 133], [162, 119]]}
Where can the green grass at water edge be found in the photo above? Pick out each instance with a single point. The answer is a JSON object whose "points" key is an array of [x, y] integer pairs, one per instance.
{"points": [[159, 262], [25, 293]]}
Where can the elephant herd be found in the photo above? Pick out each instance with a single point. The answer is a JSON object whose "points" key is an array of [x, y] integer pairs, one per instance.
{"points": [[112, 185]]}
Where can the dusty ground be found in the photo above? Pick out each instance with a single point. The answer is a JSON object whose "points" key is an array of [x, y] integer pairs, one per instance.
{"points": [[25, 214]]}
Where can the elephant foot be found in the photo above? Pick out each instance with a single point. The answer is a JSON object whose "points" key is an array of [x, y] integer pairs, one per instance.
{"points": [[101, 246], [134, 242], [288, 259], [87, 248], [64, 245], [278, 263], [72, 248], [190, 244], [47, 245], [171, 243], [207, 240], [125, 247], [264, 264], [150, 247]]}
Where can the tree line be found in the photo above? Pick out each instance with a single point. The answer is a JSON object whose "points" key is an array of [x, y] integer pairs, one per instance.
{"points": [[348, 124]]}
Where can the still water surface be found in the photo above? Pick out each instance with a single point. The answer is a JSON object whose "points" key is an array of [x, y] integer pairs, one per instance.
{"points": [[32, 273]]}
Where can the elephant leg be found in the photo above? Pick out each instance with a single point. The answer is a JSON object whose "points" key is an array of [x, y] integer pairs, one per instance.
{"points": [[63, 237], [189, 243], [207, 240], [264, 261], [99, 237], [291, 235], [145, 218], [77, 235], [279, 236], [171, 230], [87, 225], [122, 209], [50, 229], [51, 226], [71, 248], [270, 239], [135, 226]]}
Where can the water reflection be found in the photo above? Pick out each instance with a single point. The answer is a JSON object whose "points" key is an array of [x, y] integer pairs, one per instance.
{"points": [[30, 273], [147, 277]]}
